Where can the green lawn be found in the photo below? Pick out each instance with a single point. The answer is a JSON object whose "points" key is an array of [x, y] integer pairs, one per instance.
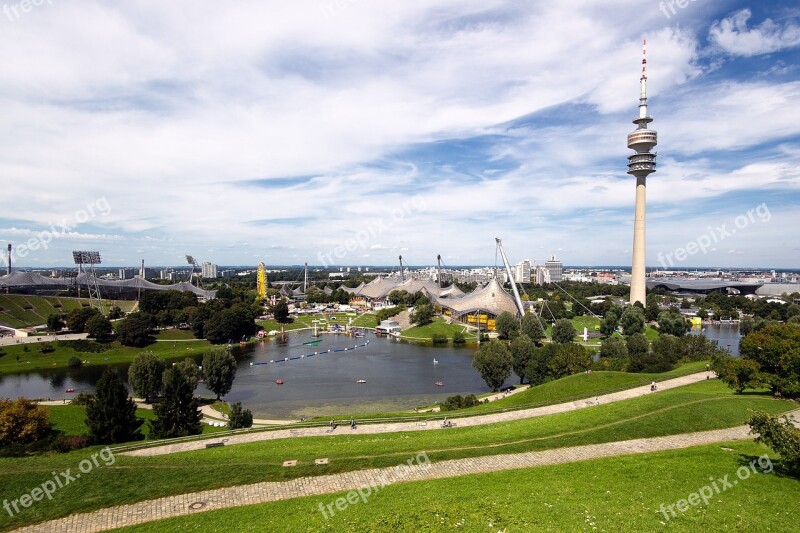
{"points": [[580, 386], [702, 406], [440, 326], [17, 359], [71, 419], [615, 494]]}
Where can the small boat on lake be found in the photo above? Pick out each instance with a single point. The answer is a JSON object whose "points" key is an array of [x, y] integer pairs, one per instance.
{"points": [[439, 383], [278, 382], [361, 381]]}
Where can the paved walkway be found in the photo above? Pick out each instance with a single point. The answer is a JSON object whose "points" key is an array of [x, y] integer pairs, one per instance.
{"points": [[185, 504], [9, 341], [391, 427]]}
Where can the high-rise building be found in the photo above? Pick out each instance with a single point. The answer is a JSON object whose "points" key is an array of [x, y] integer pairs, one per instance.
{"points": [[555, 269], [209, 270], [542, 275], [641, 164], [522, 272]]}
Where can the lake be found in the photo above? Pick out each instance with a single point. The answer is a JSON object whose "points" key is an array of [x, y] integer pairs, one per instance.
{"points": [[397, 376]]}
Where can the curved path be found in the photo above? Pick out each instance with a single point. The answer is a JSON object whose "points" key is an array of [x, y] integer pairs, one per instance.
{"points": [[391, 427], [256, 493]]}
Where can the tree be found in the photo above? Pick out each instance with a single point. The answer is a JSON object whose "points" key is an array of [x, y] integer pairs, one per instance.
{"points": [[144, 375], [570, 358], [738, 373], [613, 347], [494, 363], [177, 414], [99, 328], [189, 370], [115, 312], [537, 370], [54, 323], [521, 352], [506, 325], [219, 367], [532, 327], [611, 320], [781, 435], [77, 318], [638, 345], [22, 422], [672, 323], [564, 332], [652, 310], [134, 331], [110, 414], [632, 320], [281, 312], [423, 314], [776, 348], [229, 324], [240, 418]]}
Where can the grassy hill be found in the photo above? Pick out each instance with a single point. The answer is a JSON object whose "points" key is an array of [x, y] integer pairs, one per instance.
{"points": [[23, 310], [701, 406]]}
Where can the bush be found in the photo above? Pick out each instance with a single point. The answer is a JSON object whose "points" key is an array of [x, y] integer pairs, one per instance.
{"points": [[83, 345], [74, 362], [779, 434], [459, 337], [82, 398], [46, 348], [68, 443], [240, 418], [439, 338], [389, 312], [459, 402]]}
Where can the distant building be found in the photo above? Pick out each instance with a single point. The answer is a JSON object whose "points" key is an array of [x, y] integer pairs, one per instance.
{"points": [[522, 272], [228, 273], [555, 268], [209, 270], [542, 275]]}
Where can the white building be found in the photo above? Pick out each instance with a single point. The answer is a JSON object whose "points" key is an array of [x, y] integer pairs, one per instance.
{"points": [[209, 270], [522, 272]]}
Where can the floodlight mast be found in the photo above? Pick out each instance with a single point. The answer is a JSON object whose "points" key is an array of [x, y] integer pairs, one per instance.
{"points": [[84, 258], [192, 261]]}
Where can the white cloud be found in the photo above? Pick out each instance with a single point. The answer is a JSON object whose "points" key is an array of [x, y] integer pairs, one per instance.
{"points": [[733, 35]]}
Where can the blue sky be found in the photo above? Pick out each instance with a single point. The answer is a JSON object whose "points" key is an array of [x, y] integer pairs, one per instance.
{"points": [[349, 132]]}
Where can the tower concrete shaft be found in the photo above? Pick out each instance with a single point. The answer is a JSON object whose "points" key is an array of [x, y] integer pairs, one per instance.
{"points": [[641, 164]]}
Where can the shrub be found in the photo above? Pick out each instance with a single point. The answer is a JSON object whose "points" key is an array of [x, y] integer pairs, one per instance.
{"points": [[389, 312], [459, 402], [240, 418], [82, 398], [46, 348], [68, 443], [459, 338], [74, 362], [439, 338], [83, 345]]}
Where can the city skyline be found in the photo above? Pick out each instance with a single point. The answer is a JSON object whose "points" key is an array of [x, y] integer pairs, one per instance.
{"points": [[419, 131]]}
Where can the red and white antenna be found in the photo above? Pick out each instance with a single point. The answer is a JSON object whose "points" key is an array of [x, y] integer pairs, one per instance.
{"points": [[644, 59]]}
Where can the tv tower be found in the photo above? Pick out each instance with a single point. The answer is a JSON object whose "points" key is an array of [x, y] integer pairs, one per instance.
{"points": [[641, 164]]}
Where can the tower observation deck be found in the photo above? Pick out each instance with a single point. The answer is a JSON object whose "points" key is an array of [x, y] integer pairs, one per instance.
{"points": [[642, 140]]}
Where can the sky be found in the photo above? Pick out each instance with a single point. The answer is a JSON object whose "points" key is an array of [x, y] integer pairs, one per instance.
{"points": [[348, 132]]}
